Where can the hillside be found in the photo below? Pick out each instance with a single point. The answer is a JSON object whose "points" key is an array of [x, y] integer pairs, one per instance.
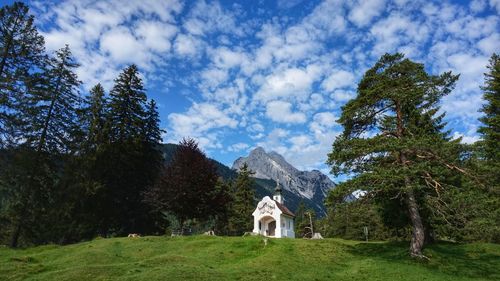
{"points": [[246, 258], [262, 187]]}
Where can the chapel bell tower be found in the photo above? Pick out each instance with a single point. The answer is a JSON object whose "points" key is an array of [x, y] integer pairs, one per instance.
{"points": [[278, 197]]}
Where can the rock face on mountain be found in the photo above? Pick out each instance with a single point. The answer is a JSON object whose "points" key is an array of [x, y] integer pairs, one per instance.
{"points": [[311, 185]]}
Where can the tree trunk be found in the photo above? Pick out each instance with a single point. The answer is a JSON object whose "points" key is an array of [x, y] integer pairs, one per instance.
{"points": [[43, 135], [418, 232]]}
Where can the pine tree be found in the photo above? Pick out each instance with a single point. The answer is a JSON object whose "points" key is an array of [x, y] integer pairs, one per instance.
{"points": [[22, 52], [393, 141], [151, 131], [130, 160], [52, 119], [50, 126], [300, 219], [94, 117], [127, 103], [490, 131], [243, 203]]}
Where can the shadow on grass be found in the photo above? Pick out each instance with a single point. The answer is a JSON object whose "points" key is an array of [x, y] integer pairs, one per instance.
{"points": [[471, 260]]}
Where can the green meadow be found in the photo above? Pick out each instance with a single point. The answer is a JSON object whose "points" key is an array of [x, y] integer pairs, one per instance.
{"points": [[247, 258]]}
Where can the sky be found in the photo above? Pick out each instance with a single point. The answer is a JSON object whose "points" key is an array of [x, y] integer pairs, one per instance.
{"points": [[239, 74]]}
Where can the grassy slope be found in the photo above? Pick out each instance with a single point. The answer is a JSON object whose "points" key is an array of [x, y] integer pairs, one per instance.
{"points": [[246, 258]]}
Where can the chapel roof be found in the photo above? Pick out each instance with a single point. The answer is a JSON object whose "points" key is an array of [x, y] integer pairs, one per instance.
{"points": [[284, 209]]}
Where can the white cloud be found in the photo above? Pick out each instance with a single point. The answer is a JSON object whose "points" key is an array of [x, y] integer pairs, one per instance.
{"points": [[338, 79], [223, 57], [237, 147], [156, 35], [187, 45], [213, 77], [364, 11], [292, 82], [495, 4], [205, 18], [199, 122], [395, 31], [122, 46], [106, 35], [280, 111], [477, 6], [465, 138], [490, 44]]}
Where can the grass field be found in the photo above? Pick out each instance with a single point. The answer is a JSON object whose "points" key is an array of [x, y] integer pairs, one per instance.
{"points": [[247, 258]]}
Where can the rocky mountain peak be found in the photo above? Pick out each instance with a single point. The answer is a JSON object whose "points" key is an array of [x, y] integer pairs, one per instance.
{"points": [[312, 185]]}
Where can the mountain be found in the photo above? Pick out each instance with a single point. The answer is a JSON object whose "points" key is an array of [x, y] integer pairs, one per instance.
{"points": [[262, 186], [311, 186]]}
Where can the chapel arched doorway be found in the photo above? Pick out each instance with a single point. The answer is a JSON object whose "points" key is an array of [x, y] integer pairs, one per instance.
{"points": [[271, 226], [267, 226]]}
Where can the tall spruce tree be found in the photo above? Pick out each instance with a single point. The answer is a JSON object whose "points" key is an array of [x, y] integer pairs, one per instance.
{"points": [[22, 52], [93, 117], [300, 219], [127, 106], [50, 125], [151, 131], [128, 164], [243, 203], [393, 143], [52, 116], [490, 130]]}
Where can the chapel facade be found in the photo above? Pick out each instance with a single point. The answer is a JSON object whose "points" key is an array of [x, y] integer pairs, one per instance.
{"points": [[272, 218]]}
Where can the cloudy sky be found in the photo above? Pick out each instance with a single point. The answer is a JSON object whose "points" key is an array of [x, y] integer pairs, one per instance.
{"points": [[274, 73]]}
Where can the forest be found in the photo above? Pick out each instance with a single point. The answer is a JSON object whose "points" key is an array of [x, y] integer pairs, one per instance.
{"points": [[76, 165]]}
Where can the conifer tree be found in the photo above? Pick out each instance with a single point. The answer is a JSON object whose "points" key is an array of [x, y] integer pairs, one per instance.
{"points": [[151, 131], [490, 130], [94, 117], [52, 119], [299, 219], [128, 164], [243, 203], [127, 106], [49, 115], [22, 51], [393, 141]]}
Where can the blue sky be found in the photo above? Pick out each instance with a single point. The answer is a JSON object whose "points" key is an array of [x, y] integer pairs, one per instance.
{"points": [[240, 74]]}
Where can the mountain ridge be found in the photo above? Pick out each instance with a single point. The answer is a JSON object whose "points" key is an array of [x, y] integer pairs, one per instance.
{"points": [[263, 187], [311, 185]]}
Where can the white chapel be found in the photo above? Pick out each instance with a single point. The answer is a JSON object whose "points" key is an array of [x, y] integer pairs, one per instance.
{"points": [[271, 218]]}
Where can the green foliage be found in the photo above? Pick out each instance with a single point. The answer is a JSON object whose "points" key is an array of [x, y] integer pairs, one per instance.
{"points": [[302, 222], [247, 258], [126, 160], [299, 221], [22, 53], [348, 219], [187, 186], [490, 129], [243, 203], [393, 141]]}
